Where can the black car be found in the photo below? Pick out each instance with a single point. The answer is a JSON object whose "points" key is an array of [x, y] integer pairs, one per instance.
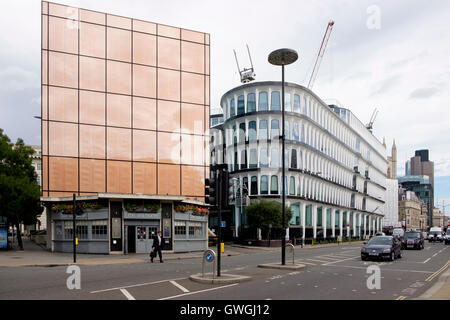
{"points": [[413, 240], [383, 247]]}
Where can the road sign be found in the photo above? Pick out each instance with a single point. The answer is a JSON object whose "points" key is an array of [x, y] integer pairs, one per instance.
{"points": [[209, 257], [223, 224]]}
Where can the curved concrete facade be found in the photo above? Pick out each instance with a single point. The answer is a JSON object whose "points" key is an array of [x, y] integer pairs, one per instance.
{"points": [[335, 167]]}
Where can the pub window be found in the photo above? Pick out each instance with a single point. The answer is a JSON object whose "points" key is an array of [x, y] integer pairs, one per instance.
{"points": [[180, 229], [99, 229]]}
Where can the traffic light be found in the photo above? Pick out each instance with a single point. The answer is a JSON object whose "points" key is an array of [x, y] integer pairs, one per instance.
{"points": [[79, 209], [211, 190], [225, 188]]}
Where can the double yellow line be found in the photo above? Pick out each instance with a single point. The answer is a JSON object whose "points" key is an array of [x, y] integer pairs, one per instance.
{"points": [[401, 298], [434, 275]]}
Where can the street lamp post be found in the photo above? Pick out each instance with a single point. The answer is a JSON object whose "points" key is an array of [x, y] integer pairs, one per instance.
{"points": [[283, 57]]}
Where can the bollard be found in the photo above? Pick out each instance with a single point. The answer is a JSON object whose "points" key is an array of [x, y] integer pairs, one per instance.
{"points": [[293, 251], [209, 256]]}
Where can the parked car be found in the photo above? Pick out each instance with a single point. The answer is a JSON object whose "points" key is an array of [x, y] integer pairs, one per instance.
{"points": [[435, 235], [382, 247], [398, 233], [413, 240], [447, 236]]}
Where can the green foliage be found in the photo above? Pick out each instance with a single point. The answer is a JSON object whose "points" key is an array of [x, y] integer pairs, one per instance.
{"points": [[19, 190], [142, 206], [263, 213]]}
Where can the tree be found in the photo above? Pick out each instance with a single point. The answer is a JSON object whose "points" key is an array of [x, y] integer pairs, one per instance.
{"points": [[19, 190], [263, 213]]}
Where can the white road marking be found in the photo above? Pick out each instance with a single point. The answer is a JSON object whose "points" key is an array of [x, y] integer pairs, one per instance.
{"points": [[427, 260], [434, 255], [138, 285], [400, 270], [321, 261], [201, 291], [304, 262], [179, 286], [127, 294], [329, 263]]}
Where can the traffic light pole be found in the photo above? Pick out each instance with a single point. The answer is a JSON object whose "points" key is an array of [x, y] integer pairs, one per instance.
{"points": [[74, 230], [219, 205]]}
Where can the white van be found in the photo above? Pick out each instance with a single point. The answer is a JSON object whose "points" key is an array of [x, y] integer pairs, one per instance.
{"points": [[435, 234]]}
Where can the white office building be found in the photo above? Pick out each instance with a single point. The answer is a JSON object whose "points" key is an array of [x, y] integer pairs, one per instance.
{"points": [[335, 167]]}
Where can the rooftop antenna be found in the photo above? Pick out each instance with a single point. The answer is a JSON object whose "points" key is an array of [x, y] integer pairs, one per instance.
{"points": [[369, 126], [247, 75]]}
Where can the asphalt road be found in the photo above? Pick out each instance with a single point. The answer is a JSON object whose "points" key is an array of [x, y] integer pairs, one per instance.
{"points": [[331, 273]]}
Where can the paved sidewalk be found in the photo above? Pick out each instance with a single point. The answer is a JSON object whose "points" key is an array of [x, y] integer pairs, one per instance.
{"points": [[35, 256], [299, 247], [440, 291]]}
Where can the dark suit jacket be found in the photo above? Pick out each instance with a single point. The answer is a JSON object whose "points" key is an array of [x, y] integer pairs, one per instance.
{"points": [[157, 245]]}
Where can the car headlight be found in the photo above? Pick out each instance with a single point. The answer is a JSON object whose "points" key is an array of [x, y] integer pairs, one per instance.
{"points": [[387, 251]]}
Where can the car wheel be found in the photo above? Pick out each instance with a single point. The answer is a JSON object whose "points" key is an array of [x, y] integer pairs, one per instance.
{"points": [[392, 257]]}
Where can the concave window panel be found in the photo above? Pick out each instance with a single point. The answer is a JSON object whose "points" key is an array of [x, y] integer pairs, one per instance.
{"points": [[252, 134], [92, 175], [287, 102], [118, 22], [296, 103], [254, 186], [144, 178], [275, 158], [263, 103], [232, 108], [119, 177], [93, 17], [264, 185], [275, 129], [275, 101], [274, 185], [253, 158], [241, 105], [264, 158], [144, 26], [168, 31], [263, 130], [251, 102]]}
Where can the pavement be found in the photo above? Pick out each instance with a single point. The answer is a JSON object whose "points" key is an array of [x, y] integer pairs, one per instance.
{"points": [[34, 255], [439, 291]]}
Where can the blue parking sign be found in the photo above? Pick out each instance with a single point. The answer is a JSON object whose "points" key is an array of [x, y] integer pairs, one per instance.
{"points": [[223, 224]]}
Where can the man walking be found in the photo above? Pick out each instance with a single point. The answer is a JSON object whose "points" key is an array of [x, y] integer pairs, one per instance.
{"points": [[157, 243]]}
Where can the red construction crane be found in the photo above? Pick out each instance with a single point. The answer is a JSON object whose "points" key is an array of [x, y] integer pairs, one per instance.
{"points": [[323, 46]]}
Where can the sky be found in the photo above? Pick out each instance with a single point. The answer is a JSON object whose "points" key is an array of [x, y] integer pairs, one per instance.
{"points": [[389, 55]]}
